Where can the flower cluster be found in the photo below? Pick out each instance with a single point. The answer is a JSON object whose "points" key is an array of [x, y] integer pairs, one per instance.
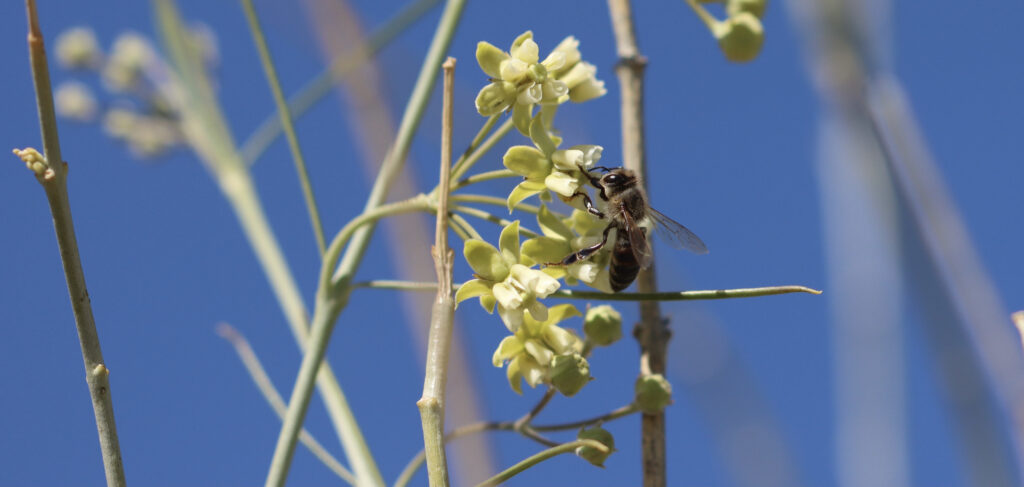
{"points": [[562, 237], [520, 80], [544, 167], [540, 351]]}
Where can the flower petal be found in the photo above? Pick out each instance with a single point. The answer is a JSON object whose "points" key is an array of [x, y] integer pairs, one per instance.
{"points": [[551, 226], [524, 190], [513, 318], [559, 339], [509, 347], [543, 285], [552, 90], [521, 117], [566, 160], [472, 289], [546, 250], [508, 243], [530, 94], [527, 51], [515, 377], [540, 137], [539, 352], [562, 312], [513, 69], [569, 47], [562, 183], [537, 310], [526, 161], [492, 99], [588, 90], [485, 260], [490, 57], [487, 302], [554, 61], [507, 296]]}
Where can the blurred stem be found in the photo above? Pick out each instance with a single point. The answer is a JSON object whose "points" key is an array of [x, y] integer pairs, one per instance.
{"points": [[334, 288], [263, 383], [540, 457], [286, 122], [322, 84], [208, 134], [54, 183], [465, 225], [435, 377]]}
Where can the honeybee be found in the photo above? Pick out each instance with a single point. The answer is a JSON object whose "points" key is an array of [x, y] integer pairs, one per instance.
{"points": [[627, 211]]}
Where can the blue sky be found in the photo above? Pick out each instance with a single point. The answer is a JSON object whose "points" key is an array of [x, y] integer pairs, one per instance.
{"points": [[732, 153]]}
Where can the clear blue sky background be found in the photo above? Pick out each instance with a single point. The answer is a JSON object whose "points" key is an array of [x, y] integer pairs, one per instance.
{"points": [[732, 148]]}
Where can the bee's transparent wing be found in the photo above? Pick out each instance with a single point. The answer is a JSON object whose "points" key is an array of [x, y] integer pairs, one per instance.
{"points": [[676, 234], [637, 241]]}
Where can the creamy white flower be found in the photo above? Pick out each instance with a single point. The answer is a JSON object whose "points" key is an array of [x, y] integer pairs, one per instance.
{"points": [[562, 183]]}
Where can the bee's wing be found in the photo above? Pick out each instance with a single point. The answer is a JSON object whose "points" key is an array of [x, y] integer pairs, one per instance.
{"points": [[637, 240], [676, 234]]}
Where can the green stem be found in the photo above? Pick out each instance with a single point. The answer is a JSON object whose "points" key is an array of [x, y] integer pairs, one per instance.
{"points": [[487, 216], [333, 292], [286, 122], [342, 66], [616, 414], [495, 201], [259, 376], [484, 176], [466, 162], [54, 182], [751, 292], [484, 130], [540, 457], [465, 225]]}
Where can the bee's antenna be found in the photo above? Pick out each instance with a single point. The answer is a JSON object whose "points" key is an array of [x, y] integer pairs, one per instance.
{"points": [[605, 169]]}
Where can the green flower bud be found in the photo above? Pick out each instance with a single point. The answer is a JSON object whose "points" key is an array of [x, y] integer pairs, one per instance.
{"points": [[603, 325], [485, 260], [740, 37], [591, 454], [754, 7], [569, 373], [653, 393]]}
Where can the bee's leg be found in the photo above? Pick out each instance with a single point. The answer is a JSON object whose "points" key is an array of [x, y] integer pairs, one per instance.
{"points": [[585, 253], [595, 182], [588, 204]]}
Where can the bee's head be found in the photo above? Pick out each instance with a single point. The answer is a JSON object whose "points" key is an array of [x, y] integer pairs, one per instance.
{"points": [[618, 179]]}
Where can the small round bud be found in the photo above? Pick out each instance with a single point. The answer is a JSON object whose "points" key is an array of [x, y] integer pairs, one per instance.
{"points": [[754, 7], [740, 37], [591, 454], [77, 48], [569, 373], [74, 100], [603, 325], [653, 393]]}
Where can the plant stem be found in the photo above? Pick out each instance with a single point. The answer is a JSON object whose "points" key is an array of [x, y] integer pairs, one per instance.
{"points": [[652, 333], [54, 182], [750, 292], [467, 161], [334, 290], [321, 85], [435, 377], [286, 122], [259, 377], [540, 457], [616, 414], [484, 176], [484, 130], [465, 225], [495, 201], [487, 216]]}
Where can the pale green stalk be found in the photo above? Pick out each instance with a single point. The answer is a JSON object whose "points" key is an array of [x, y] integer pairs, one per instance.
{"points": [[54, 182], [751, 292], [484, 130], [496, 201], [204, 124], [286, 122], [487, 216], [317, 88], [540, 457], [442, 316], [467, 161], [466, 226], [484, 176]]}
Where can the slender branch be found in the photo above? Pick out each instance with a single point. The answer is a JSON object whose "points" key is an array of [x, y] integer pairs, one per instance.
{"points": [[483, 215], [467, 161], [286, 122], [485, 176], [333, 293], [604, 418], [495, 201], [431, 404], [259, 376], [540, 457], [465, 225], [750, 292], [340, 68], [528, 417], [52, 175], [484, 130]]}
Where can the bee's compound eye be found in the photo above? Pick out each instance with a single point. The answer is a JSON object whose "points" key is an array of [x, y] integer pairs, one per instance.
{"points": [[612, 178]]}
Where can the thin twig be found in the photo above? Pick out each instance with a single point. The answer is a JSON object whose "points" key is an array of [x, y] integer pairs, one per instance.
{"points": [[286, 122], [750, 292], [487, 216], [53, 178], [484, 176], [266, 387], [496, 201], [431, 404]]}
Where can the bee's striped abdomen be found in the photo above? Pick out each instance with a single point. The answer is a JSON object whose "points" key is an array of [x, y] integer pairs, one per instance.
{"points": [[623, 268]]}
